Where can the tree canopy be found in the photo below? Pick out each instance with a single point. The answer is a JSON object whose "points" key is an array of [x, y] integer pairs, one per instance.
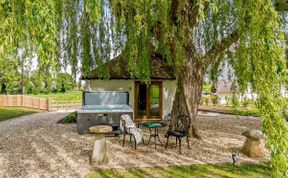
{"points": [[194, 36]]}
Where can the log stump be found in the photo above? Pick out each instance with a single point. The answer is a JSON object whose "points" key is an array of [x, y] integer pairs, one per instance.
{"points": [[99, 155], [254, 144]]}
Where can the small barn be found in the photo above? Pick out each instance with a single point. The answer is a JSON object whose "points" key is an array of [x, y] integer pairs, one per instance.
{"points": [[149, 102]]}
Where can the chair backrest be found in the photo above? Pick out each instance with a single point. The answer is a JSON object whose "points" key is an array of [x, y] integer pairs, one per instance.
{"points": [[126, 122], [124, 125], [105, 97], [183, 123]]}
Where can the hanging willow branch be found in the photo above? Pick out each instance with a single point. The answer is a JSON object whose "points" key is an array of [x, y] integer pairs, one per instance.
{"points": [[188, 34]]}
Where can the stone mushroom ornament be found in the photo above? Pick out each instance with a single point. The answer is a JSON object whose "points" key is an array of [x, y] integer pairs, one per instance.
{"points": [[254, 145], [99, 155]]}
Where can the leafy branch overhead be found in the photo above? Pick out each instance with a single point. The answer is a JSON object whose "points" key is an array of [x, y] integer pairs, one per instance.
{"points": [[193, 36]]}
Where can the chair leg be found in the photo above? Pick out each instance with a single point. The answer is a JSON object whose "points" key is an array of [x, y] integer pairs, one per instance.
{"points": [[187, 138], [130, 138], [124, 135], [167, 140], [179, 145], [135, 146]]}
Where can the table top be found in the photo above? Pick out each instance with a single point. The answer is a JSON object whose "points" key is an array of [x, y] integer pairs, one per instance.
{"points": [[154, 125]]}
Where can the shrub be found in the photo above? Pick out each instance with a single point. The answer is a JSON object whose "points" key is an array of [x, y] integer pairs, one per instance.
{"points": [[202, 101], [65, 82], [234, 100], [215, 100], [71, 118], [227, 100], [205, 101], [245, 102]]}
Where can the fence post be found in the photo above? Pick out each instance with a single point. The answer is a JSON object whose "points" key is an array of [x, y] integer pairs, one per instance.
{"points": [[48, 104], [39, 103], [22, 100]]}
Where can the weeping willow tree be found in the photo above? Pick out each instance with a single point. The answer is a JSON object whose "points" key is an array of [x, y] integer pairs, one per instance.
{"points": [[31, 27], [193, 36]]}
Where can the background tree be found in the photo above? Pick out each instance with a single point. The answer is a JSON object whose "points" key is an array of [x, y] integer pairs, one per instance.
{"points": [[10, 77], [65, 82], [193, 36], [33, 26]]}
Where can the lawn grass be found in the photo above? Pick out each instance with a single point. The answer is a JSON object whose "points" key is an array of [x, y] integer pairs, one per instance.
{"points": [[67, 96], [211, 171], [13, 112], [241, 111]]}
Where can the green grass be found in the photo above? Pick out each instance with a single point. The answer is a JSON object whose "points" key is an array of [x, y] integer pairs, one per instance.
{"points": [[211, 171], [67, 96], [224, 109], [13, 112], [207, 88], [154, 95], [250, 112]]}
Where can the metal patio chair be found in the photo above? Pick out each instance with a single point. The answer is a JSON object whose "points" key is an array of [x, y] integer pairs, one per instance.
{"points": [[181, 130]]}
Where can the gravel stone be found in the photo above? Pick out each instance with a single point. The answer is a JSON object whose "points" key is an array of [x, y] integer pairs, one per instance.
{"points": [[37, 146]]}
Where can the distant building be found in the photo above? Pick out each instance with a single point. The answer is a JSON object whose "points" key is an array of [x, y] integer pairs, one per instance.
{"points": [[223, 87], [150, 102]]}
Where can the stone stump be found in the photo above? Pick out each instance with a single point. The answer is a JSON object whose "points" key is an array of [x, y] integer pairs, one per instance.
{"points": [[254, 144], [99, 155]]}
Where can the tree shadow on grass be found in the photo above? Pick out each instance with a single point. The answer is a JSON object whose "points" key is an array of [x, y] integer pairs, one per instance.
{"points": [[138, 172], [205, 170], [247, 169], [219, 170]]}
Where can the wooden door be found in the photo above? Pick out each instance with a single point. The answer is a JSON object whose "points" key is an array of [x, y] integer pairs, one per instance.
{"points": [[148, 101]]}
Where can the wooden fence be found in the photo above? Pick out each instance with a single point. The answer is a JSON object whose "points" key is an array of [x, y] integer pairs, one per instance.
{"points": [[38, 103], [25, 101], [65, 105]]}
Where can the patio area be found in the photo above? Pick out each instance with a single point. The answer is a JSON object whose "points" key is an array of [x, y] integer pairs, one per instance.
{"points": [[221, 136], [36, 145]]}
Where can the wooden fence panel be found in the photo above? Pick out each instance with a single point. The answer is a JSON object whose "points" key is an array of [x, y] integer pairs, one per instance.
{"points": [[10, 100], [38, 103], [65, 105], [25, 101]]}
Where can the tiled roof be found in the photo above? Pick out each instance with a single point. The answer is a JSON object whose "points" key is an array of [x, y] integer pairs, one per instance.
{"points": [[160, 70]]}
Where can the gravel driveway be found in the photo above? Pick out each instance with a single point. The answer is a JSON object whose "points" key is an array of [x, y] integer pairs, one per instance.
{"points": [[36, 146]]}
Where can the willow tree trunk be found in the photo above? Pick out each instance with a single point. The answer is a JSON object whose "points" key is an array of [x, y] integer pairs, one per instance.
{"points": [[188, 93]]}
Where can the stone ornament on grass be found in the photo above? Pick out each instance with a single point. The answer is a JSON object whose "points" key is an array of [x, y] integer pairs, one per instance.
{"points": [[254, 143], [100, 155], [254, 134]]}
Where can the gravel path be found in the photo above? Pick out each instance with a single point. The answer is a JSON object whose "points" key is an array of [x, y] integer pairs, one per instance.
{"points": [[36, 146]]}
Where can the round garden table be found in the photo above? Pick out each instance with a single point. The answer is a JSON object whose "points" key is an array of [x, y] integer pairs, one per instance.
{"points": [[153, 128]]}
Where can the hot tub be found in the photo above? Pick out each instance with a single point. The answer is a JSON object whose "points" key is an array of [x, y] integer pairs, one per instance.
{"points": [[102, 108], [105, 109]]}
